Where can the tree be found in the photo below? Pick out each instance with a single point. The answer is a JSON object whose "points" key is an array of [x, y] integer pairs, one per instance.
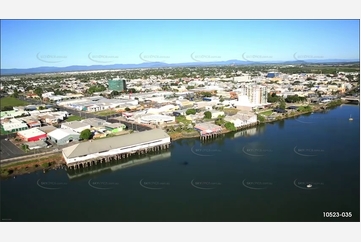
{"points": [[38, 91], [115, 93], [85, 134], [16, 93], [191, 111], [127, 109], [230, 126], [282, 104], [41, 108], [207, 115]]}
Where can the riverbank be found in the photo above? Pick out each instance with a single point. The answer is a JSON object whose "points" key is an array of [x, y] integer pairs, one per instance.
{"points": [[45, 163], [55, 161], [314, 108]]}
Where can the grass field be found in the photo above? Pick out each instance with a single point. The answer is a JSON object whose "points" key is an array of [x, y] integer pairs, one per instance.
{"points": [[10, 101], [267, 113], [73, 118], [106, 113]]}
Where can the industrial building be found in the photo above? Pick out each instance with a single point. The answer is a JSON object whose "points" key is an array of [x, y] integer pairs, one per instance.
{"points": [[117, 85], [76, 126], [91, 152], [13, 125], [33, 134], [63, 136]]}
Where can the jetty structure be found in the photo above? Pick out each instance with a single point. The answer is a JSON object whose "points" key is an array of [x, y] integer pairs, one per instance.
{"points": [[115, 148]]}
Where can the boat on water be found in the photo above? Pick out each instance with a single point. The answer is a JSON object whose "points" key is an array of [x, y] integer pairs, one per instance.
{"points": [[309, 185], [350, 118]]}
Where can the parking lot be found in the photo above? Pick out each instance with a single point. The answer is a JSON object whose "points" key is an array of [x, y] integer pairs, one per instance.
{"points": [[9, 150]]}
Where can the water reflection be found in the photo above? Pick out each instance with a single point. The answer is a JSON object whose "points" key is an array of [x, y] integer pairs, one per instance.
{"points": [[120, 164]]}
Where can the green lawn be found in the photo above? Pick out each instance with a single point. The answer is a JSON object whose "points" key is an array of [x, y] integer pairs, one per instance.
{"points": [[73, 118], [182, 119], [267, 113], [106, 113], [10, 101]]}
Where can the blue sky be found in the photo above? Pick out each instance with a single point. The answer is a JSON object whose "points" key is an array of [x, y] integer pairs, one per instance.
{"points": [[35, 43]]}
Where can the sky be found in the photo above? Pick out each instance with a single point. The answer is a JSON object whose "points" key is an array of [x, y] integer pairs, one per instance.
{"points": [[60, 43]]}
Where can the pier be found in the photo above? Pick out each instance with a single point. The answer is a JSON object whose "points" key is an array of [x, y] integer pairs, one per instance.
{"points": [[109, 158]]}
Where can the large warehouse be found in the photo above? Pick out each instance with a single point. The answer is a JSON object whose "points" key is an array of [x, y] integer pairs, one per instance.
{"points": [[130, 143], [63, 136]]}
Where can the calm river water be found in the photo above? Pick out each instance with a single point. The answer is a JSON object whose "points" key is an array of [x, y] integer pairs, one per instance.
{"points": [[292, 170]]}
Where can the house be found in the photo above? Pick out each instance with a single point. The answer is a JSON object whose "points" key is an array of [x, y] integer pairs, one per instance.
{"points": [[114, 127], [33, 134], [242, 119], [207, 128], [76, 126], [48, 118], [31, 122], [216, 113], [94, 122], [63, 136], [47, 129]]}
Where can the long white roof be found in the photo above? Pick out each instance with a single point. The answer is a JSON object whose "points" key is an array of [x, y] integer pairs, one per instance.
{"points": [[101, 145]]}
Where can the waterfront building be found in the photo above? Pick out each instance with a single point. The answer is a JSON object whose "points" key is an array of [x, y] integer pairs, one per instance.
{"points": [[96, 150]]}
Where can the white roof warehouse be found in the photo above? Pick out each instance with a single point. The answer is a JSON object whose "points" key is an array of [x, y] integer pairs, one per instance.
{"points": [[115, 145]]}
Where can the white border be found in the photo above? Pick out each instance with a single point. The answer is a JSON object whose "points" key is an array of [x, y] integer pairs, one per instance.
{"points": [[179, 231]]}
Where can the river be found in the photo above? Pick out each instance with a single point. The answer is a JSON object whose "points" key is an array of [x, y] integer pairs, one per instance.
{"points": [[291, 170]]}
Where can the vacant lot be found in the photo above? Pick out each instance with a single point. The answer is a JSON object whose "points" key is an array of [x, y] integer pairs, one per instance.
{"points": [[10, 101], [267, 113], [73, 118], [106, 113]]}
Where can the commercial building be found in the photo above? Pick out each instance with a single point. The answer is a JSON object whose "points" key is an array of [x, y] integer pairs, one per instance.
{"points": [[87, 153], [117, 85], [33, 134], [63, 136], [156, 119], [114, 127], [36, 144], [242, 119], [76, 126], [13, 125], [207, 128]]}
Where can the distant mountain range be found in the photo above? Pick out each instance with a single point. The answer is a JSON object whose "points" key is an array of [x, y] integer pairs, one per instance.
{"points": [[45, 69]]}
